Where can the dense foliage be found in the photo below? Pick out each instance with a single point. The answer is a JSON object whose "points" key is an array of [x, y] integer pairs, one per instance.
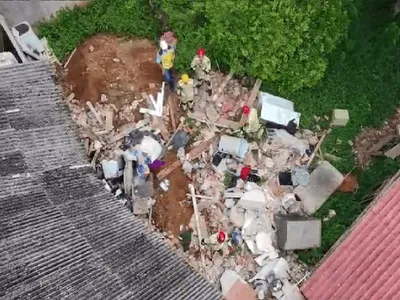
{"points": [[283, 41]]}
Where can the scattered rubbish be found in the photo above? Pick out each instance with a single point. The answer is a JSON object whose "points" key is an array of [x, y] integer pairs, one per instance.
{"points": [[300, 176], [285, 178], [277, 110], [110, 169], [296, 232], [165, 185], [180, 139], [233, 145]]}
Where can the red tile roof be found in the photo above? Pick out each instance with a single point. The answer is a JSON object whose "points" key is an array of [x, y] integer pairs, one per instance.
{"points": [[366, 265]]}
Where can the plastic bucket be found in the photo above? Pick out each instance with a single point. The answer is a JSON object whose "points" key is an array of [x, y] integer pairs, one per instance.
{"points": [[233, 145]]}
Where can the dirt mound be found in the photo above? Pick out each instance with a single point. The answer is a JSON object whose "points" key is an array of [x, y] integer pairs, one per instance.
{"points": [[116, 67], [370, 137]]}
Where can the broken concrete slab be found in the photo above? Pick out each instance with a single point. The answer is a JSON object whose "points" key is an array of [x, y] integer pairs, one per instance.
{"points": [[295, 232], [393, 152], [340, 117], [324, 180], [253, 200], [228, 279]]}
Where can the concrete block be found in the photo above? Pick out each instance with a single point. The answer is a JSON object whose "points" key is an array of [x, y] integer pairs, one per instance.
{"points": [[296, 232], [324, 180], [340, 117], [253, 200]]}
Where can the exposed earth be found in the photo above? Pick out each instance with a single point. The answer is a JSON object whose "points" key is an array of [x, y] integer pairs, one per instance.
{"points": [[121, 69]]}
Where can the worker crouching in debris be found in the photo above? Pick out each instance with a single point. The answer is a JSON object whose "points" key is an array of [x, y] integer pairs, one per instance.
{"points": [[185, 91], [201, 64], [165, 58]]}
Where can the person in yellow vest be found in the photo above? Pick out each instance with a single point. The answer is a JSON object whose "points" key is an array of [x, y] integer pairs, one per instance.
{"points": [[201, 64], [165, 58], [185, 91]]}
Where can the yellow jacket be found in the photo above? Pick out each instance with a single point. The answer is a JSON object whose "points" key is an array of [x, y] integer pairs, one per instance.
{"points": [[166, 58]]}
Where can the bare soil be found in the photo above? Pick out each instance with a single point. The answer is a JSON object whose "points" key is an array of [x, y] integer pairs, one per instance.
{"points": [[171, 209], [121, 69], [116, 67]]}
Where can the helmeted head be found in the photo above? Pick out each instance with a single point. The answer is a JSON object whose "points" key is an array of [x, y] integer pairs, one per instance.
{"points": [[185, 78], [163, 45], [201, 52]]}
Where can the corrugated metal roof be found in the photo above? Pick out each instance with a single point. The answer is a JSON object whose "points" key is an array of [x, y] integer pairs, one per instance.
{"points": [[62, 235], [366, 265]]}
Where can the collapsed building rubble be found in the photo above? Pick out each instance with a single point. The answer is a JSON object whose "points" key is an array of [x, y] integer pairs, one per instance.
{"points": [[242, 179]]}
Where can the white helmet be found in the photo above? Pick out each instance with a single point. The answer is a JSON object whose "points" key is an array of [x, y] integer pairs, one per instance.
{"points": [[163, 45]]}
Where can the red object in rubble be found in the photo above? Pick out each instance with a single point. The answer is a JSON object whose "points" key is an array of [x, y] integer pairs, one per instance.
{"points": [[244, 173], [221, 237], [246, 110]]}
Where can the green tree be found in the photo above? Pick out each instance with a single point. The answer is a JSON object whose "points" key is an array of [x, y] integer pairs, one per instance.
{"points": [[283, 41]]}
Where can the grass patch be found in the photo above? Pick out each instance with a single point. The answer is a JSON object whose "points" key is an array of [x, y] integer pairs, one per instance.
{"points": [[363, 77], [120, 17]]}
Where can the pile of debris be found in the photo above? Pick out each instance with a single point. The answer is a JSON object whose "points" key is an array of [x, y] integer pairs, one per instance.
{"points": [[225, 106], [253, 185]]}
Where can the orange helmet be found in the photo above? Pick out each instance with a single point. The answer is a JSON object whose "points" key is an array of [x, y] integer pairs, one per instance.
{"points": [[201, 52]]}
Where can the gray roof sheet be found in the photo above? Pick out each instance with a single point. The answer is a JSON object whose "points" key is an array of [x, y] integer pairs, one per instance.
{"points": [[62, 235]]}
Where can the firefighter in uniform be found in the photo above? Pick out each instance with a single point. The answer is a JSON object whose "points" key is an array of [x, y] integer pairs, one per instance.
{"points": [[185, 91], [201, 64]]}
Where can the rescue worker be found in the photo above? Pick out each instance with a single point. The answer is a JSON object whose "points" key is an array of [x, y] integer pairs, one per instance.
{"points": [[201, 64], [186, 92], [165, 58]]}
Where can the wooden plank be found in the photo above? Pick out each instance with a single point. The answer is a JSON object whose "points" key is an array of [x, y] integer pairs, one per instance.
{"points": [[69, 58], [378, 146], [159, 124], [168, 170], [195, 152], [94, 112], [172, 112], [222, 86], [109, 119], [251, 100], [321, 140], [393, 152]]}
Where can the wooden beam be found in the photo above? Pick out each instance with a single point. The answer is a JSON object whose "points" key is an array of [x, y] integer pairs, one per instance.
{"points": [[393, 152], [109, 119], [223, 85], [195, 152], [171, 104], [94, 112], [251, 100], [321, 140], [168, 170]]}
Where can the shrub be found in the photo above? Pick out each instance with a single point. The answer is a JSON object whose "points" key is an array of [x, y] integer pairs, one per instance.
{"points": [[283, 41]]}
